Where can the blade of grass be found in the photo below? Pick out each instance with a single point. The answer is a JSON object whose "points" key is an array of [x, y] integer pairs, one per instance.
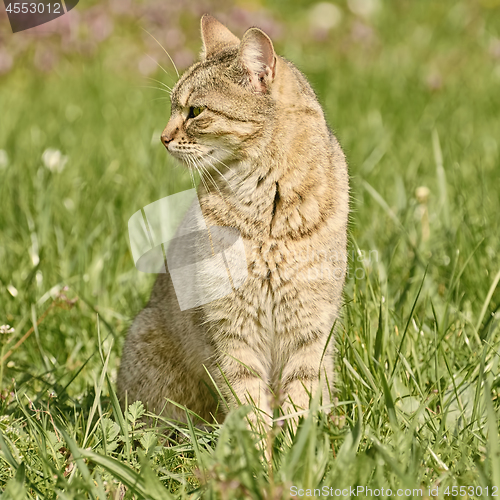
{"points": [[493, 437], [97, 399], [487, 301], [441, 178], [379, 338], [410, 317]]}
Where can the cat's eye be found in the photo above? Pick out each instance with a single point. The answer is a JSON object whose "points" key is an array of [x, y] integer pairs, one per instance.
{"points": [[195, 111]]}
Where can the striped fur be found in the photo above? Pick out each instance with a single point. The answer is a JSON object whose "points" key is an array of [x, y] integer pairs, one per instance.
{"points": [[273, 170]]}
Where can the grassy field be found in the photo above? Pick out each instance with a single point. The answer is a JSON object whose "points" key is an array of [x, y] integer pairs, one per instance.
{"points": [[411, 89]]}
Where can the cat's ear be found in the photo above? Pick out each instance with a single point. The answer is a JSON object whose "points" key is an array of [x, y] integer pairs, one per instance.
{"points": [[258, 58], [215, 36]]}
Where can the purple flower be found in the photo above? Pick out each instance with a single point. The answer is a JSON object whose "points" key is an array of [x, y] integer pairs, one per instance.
{"points": [[6, 61]]}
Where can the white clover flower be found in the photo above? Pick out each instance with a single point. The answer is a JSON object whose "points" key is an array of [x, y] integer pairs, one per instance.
{"points": [[364, 8], [54, 160], [6, 329], [324, 16], [4, 159]]}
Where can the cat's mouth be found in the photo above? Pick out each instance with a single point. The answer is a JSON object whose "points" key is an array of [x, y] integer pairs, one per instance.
{"points": [[192, 156], [186, 155], [192, 159], [207, 160]]}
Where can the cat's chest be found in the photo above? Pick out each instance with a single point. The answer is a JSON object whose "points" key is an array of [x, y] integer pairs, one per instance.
{"points": [[265, 257], [277, 262]]}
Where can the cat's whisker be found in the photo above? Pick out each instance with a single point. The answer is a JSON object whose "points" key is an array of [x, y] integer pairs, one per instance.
{"points": [[160, 82], [190, 168], [165, 50], [212, 164], [223, 149], [195, 164], [193, 180], [155, 88], [239, 179], [212, 182], [224, 164], [156, 62], [160, 99], [213, 157], [234, 172], [204, 169], [207, 187]]}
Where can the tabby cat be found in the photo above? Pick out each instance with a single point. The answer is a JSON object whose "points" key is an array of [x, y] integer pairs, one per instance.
{"points": [[249, 120]]}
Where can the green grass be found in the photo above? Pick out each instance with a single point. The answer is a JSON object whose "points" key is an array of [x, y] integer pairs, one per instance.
{"points": [[412, 94]]}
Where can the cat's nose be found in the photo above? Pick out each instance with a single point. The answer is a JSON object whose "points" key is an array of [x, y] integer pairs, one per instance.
{"points": [[166, 139], [169, 134], [171, 130]]}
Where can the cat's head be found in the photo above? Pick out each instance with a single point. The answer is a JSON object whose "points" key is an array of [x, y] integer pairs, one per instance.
{"points": [[223, 106]]}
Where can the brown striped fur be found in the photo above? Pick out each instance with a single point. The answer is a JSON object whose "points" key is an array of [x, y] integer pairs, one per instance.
{"points": [[279, 176]]}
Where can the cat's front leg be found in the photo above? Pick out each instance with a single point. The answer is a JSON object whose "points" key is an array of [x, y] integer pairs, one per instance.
{"points": [[308, 371], [242, 378]]}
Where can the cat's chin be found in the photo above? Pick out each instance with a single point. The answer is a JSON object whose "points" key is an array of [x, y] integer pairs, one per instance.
{"points": [[181, 158], [207, 161], [189, 163], [183, 162]]}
